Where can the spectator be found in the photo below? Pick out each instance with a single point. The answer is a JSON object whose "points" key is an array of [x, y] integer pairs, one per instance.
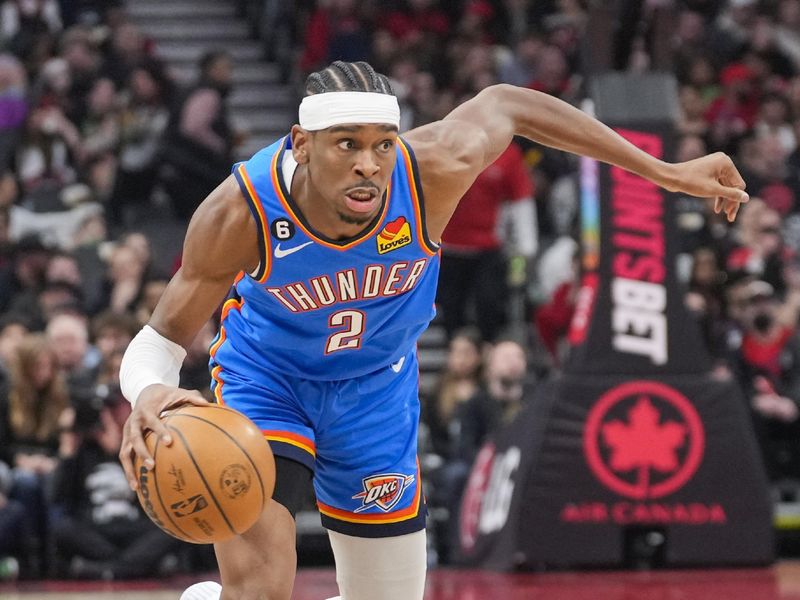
{"points": [[335, 32], [29, 419], [152, 290], [474, 267], [13, 106], [692, 121], [767, 363], [773, 121], [733, 113], [101, 530], [417, 27], [457, 384], [553, 318], [702, 76], [732, 30], [144, 121], [29, 262], [69, 336], [12, 518], [124, 278], [13, 330], [112, 332], [521, 68], [22, 22], [200, 138], [705, 298], [779, 182], [787, 31], [493, 405], [128, 51], [45, 159], [100, 133], [761, 252], [63, 268], [79, 50], [195, 374], [58, 298], [764, 47]]}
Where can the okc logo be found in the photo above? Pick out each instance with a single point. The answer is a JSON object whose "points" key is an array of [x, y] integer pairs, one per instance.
{"points": [[383, 491]]}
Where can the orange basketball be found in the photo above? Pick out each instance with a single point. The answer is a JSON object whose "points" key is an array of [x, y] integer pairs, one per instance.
{"points": [[213, 481]]}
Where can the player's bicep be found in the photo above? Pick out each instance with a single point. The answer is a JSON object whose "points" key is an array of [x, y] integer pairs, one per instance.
{"points": [[220, 243], [480, 130], [451, 153]]}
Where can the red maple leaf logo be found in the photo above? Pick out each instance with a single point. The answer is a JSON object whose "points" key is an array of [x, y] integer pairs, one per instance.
{"points": [[644, 442], [645, 454]]}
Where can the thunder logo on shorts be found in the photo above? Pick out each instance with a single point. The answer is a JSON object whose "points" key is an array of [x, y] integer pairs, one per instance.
{"points": [[383, 491]]}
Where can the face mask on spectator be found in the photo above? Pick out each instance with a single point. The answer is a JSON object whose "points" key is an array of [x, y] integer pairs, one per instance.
{"points": [[762, 322]]}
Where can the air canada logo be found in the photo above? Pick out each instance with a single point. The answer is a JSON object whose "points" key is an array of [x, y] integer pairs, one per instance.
{"points": [[394, 235], [383, 491], [643, 440]]}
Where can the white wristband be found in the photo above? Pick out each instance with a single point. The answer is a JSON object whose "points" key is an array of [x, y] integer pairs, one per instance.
{"points": [[150, 358]]}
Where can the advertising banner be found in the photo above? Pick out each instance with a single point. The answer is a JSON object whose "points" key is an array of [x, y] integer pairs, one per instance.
{"points": [[636, 455]]}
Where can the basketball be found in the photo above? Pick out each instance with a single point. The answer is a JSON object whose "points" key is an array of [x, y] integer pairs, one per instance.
{"points": [[213, 481]]}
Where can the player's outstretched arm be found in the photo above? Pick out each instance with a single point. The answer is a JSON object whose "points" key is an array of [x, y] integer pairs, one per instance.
{"points": [[452, 152], [221, 242]]}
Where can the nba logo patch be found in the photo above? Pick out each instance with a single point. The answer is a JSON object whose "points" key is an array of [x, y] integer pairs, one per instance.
{"points": [[394, 235], [383, 491]]}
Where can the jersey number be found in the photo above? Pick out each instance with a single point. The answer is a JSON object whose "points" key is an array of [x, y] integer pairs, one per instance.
{"points": [[349, 338]]}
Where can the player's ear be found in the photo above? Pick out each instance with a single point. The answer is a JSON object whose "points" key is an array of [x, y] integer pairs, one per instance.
{"points": [[300, 143]]}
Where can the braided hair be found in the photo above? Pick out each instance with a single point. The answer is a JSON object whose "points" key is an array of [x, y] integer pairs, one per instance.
{"points": [[343, 76]]}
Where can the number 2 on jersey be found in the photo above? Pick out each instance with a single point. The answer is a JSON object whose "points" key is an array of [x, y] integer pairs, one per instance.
{"points": [[349, 338]]}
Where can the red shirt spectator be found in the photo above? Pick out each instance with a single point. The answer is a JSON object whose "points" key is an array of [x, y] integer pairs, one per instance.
{"points": [[474, 224], [553, 319], [409, 25]]}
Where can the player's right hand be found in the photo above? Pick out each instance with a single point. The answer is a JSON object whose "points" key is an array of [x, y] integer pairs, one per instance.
{"points": [[153, 401]]}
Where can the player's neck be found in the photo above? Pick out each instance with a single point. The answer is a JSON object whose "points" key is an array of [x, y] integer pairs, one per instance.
{"points": [[322, 217]]}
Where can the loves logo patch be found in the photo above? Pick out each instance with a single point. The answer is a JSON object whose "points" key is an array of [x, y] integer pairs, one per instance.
{"points": [[643, 440], [394, 235], [383, 491]]}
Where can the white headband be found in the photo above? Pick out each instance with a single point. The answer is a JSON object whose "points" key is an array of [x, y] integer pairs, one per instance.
{"points": [[320, 111]]}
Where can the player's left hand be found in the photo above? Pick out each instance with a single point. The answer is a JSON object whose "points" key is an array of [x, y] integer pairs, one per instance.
{"points": [[712, 176]]}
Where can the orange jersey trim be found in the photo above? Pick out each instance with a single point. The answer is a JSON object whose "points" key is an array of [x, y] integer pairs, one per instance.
{"points": [[220, 340], [377, 519], [295, 439], [251, 191], [422, 236], [230, 304], [227, 307], [215, 375], [299, 222], [216, 372]]}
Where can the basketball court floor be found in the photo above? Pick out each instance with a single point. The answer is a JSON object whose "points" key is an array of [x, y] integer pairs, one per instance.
{"points": [[781, 582]]}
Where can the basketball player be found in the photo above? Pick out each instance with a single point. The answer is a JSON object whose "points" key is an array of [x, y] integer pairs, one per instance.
{"points": [[329, 237]]}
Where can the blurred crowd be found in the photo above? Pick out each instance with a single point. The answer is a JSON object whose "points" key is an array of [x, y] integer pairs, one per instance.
{"points": [[95, 131], [509, 268]]}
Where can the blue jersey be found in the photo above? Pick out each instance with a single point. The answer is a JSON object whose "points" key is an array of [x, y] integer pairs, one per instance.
{"points": [[324, 309]]}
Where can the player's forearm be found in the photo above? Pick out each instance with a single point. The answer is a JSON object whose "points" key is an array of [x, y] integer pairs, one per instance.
{"points": [[555, 123]]}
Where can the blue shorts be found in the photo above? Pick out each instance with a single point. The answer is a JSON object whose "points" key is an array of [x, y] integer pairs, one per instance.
{"points": [[358, 436]]}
